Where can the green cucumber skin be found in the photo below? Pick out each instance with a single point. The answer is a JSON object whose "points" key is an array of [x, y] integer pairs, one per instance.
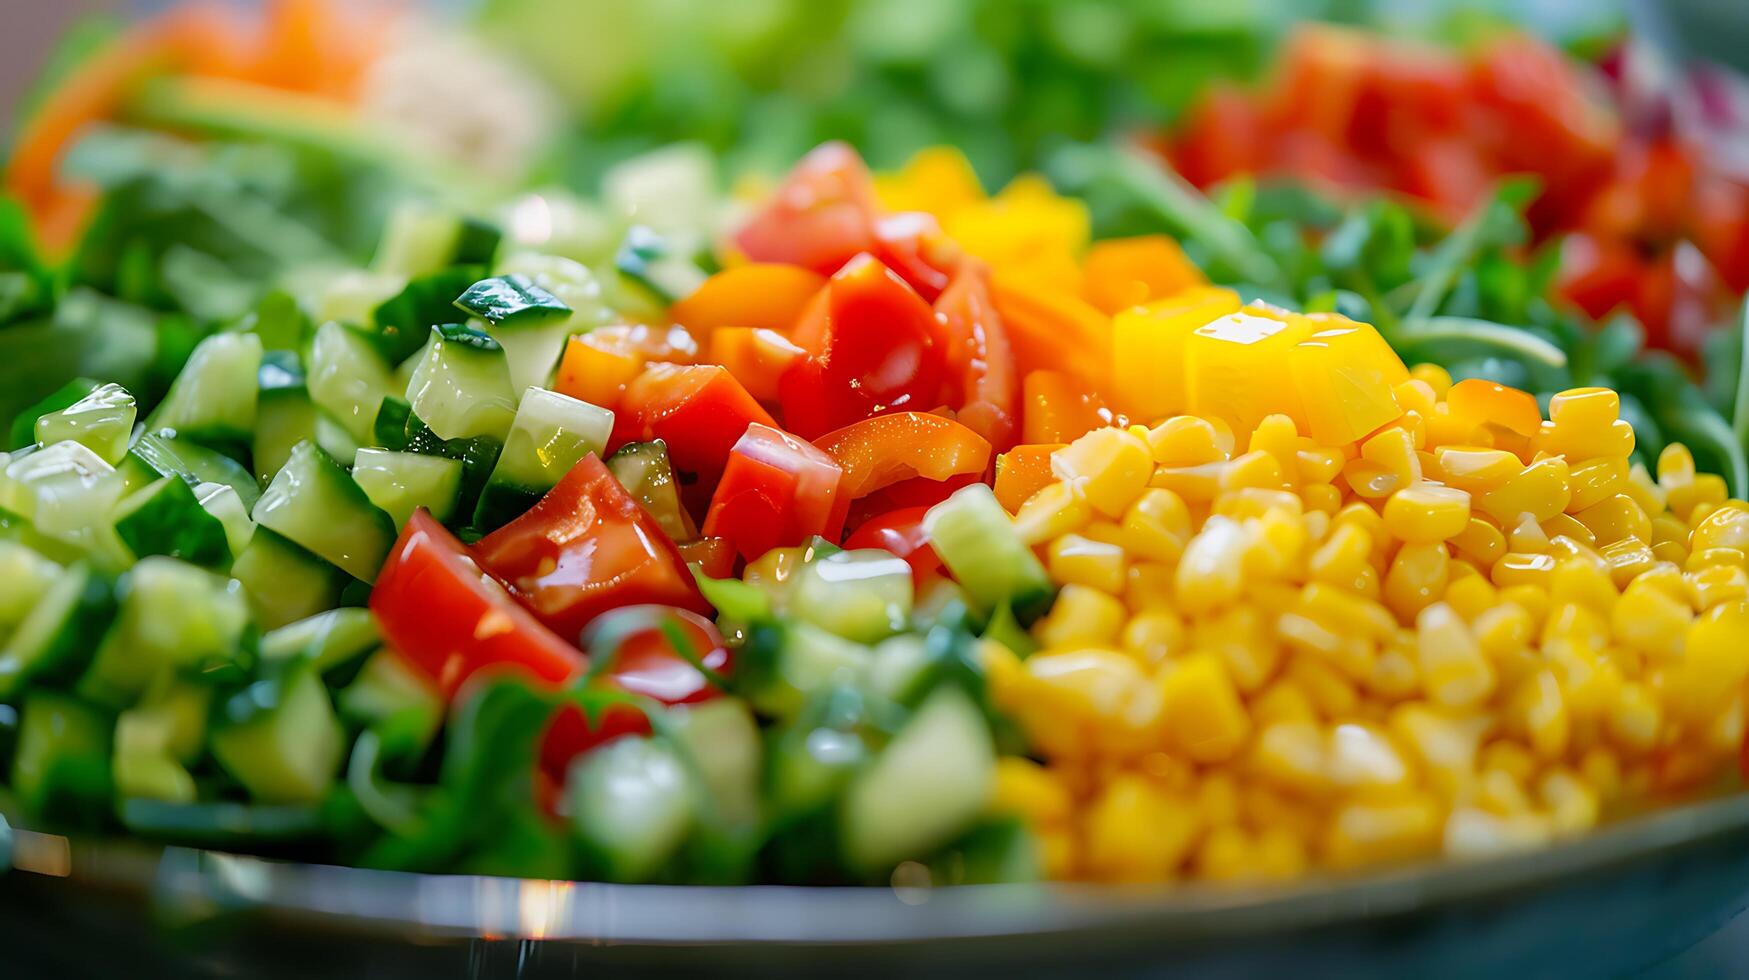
{"points": [[285, 583], [61, 771], [61, 634], [314, 502], [166, 519], [283, 418]]}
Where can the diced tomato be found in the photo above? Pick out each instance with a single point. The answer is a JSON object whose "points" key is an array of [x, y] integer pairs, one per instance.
{"points": [[449, 620], [900, 532], [710, 557], [760, 294], [879, 452], [873, 347], [981, 381], [698, 410], [913, 245], [587, 547], [776, 490], [756, 356], [1225, 134], [822, 215], [645, 664]]}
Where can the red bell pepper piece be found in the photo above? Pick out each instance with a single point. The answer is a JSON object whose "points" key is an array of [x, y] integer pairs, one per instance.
{"points": [[981, 379], [873, 347], [698, 410], [822, 214], [586, 548], [776, 490], [900, 532], [449, 620], [887, 449]]}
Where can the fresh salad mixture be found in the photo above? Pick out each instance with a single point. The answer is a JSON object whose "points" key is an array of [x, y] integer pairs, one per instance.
{"points": [[848, 527]]}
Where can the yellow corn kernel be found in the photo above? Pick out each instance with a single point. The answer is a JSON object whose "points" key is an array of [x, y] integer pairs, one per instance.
{"points": [[1473, 832], [1197, 484], [1157, 525], [1596, 480], [1584, 581], [1616, 518], [1293, 754], [1539, 490], [1252, 502], [1376, 832], [1675, 466], [1212, 570], [1393, 451], [1480, 541], [1253, 469], [1476, 469], [1527, 536], [1600, 768], [1706, 489], [1076, 559], [1426, 513], [1102, 693], [1055, 510], [1518, 568], [1572, 805], [1471, 597], [1240, 636], [1671, 552], [1136, 832], [1277, 436], [1322, 497], [1645, 489], [1538, 714], [1433, 376], [1626, 559], [1503, 630], [1186, 440], [1104, 532], [1205, 720], [1313, 463], [1352, 655], [1453, 670], [1650, 620], [1330, 693], [1107, 467], [1082, 617], [1711, 587], [1217, 798], [1566, 526], [1635, 719], [1346, 612], [1154, 635], [1714, 665], [1283, 701], [1395, 673], [1343, 556], [1279, 855], [1712, 558], [1512, 758], [1534, 601], [1666, 576], [1417, 576], [1149, 586], [1343, 376], [1030, 791], [1726, 526], [1415, 396]]}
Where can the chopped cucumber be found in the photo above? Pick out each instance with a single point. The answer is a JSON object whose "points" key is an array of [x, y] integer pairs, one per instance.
{"points": [[632, 803], [23, 431], [643, 469], [284, 418], [551, 434], [399, 483], [64, 625], [512, 300], [721, 739], [221, 501], [61, 770], [927, 787], [975, 538], [214, 397], [862, 595], [194, 463], [810, 766], [207, 630], [102, 421], [418, 239], [652, 265], [327, 639], [66, 490], [25, 576], [387, 686], [348, 379], [392, 418], [353, 297], [155, 742], [289, 752], [285, 583], [461, 388], [672, 190], [404, 321], [164, 518], [785, 664], [313, 502], [568, 280], [533, 352], [900, 668], [333, 438]]}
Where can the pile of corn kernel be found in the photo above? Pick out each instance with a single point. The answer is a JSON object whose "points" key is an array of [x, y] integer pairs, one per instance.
{"points": [[1467, 631]]}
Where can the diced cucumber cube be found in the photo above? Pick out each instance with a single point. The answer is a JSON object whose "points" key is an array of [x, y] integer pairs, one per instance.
{"points": [[644, 470], [533, 352], [400, 483], [221, 501], [23, 431], [807, 659], [195, 463], [284, 582], [862, 595], [569, 280], [289, 753], [314, 502], [327, 639], [672, 190], [551, 434], [809, 767], [418, 239], [148, 776], [102, 421], [25, 575], [632, 803], [722, 740], [333, 438], [927, 787], [976, 541], [205, 630], [387, 686], [64, 489], [512, 300], [214, 396], [284, 418], [461, 388], [61, 769], [164, 518], [353, 296], [156, 740], [654, 270], [348, 379], [65, 623]]}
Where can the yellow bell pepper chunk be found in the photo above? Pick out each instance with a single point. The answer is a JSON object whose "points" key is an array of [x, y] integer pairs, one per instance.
{"points": [[1148, 349], [1237, 367], [1344, 375]]}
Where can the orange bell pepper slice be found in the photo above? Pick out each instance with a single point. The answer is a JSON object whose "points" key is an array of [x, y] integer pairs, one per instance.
{"points": [[1059, 407], [756, 356], [1024, 471], [1050, 329], [1485, 401], [884, 450], [766, 295]]}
